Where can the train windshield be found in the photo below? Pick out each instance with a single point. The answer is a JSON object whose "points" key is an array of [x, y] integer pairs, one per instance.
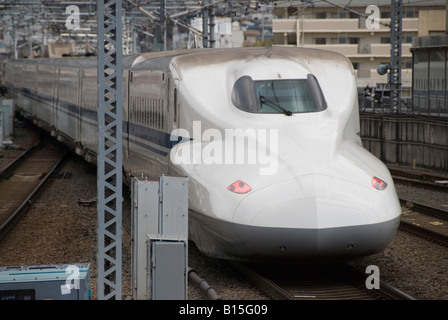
{"points": [[286, 96]]}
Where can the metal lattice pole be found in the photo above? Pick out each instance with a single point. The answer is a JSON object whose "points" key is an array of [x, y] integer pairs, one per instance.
{"points": [[395, 54], [109, 162]]}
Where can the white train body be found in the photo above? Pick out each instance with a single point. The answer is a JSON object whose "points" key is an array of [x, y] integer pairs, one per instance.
{"points": [[265, 185]]}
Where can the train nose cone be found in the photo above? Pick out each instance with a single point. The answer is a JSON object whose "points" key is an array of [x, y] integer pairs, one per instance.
{"points": [[315, 217]]}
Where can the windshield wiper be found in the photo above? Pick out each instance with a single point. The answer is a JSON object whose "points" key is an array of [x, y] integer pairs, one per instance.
{"points": [[263, 99]]}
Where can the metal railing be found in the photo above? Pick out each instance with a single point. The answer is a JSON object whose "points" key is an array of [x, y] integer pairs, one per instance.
{"points": [[420, 104]]}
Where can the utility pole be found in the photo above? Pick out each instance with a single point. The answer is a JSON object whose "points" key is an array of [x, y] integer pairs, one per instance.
{"points": [[212, 26], [109, 161], [446, 14], [395, 54], [205, 27], [163, 23]]}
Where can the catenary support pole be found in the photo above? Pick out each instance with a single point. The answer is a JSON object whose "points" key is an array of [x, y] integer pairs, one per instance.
{"points": [[395, 54], [109, 161]]}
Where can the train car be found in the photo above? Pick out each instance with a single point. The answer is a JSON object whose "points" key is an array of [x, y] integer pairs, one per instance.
{"points": [[268, 137]]}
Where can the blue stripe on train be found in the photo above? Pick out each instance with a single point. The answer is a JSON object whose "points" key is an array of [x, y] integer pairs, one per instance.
{"points": [[133, 130]]}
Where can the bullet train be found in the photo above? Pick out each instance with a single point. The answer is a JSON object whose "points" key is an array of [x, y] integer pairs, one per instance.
{"points": [[268, 137]]}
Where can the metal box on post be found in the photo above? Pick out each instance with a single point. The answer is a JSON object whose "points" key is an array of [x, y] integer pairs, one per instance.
{"points": [[7, 108], [168, 265], [160, 238], [145, 205]]}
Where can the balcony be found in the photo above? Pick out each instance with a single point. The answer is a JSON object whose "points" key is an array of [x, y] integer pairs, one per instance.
{"points": [[383, 50], [336, 25], [348, 50], [360, 51]]}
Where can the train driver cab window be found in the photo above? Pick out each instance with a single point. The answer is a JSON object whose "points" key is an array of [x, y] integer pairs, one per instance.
{"points": [[286, 96]]}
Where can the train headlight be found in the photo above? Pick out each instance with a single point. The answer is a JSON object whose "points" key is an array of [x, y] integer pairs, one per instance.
{"points": [[239, 187], [378, 184]]}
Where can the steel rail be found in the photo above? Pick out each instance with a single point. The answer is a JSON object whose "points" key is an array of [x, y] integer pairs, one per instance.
{"points": [[346, 287], [263, 283], [433, 236], [422, 179], [425, 209], [29, 200], [421, 183], [19, 158], [386, 290]]}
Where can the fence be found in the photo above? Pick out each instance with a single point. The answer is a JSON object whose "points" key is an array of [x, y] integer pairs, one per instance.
{"points": [[407, 139]]}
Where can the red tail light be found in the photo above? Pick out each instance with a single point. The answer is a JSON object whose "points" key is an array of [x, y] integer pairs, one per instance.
{"points": [[239, 187], [378, 184]]}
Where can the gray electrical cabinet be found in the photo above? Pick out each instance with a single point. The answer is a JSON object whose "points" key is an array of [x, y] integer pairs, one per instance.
{"points": [[160, 239], [168, 267], [7, 110]]}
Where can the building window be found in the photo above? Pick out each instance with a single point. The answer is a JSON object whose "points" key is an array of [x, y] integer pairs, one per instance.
{"points": [[385, 40], [407, 38], [410, 13], [385, 14], [407, 63], [342, 39], [320, 41], [353, 40], [321, 15]]}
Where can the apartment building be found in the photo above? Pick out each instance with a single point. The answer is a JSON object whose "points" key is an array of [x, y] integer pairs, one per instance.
{"points": [[332, 25]]}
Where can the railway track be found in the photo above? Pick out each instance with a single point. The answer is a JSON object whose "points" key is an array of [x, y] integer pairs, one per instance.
{"points": [[322, 282], [24, 177], [420, 227], [420, 179]]}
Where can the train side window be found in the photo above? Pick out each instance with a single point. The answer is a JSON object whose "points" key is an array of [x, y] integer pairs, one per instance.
{"points": [[162, 116], [152, 113], [145, 111], [134, 105], [175, 105], [140, 109], [137, 109], [243, 94], [159, 115], [319, 99], [156, 113], [148, 113]]}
